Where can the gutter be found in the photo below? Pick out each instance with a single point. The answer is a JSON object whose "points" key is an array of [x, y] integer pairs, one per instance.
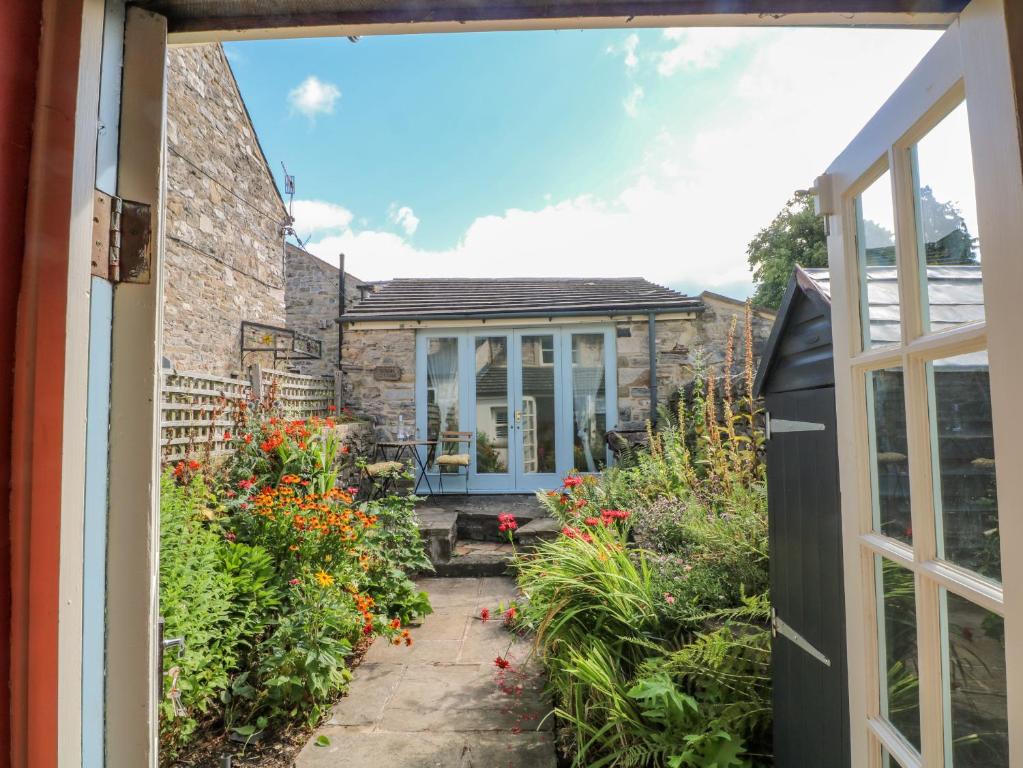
{"points": [[532, 313], [652, 345]]}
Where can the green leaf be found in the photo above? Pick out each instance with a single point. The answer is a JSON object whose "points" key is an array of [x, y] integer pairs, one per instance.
{"points": [[322, 741]]}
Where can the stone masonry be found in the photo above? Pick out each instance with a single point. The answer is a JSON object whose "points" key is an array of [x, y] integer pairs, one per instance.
{"points": [[380, 375], [312, 309], [224, 245]]}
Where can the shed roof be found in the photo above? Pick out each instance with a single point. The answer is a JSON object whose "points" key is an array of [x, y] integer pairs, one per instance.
{"points": [[481, 298], [955, 296]]}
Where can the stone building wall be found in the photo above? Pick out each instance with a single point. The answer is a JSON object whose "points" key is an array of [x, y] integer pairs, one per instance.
{"points": [[682, 347], [224, 247], [380, 376], [310, 297]]}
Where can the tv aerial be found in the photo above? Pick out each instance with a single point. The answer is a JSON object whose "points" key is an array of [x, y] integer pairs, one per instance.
{"points": [[289, 190]]}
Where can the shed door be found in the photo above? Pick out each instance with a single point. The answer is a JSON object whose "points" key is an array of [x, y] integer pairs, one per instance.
{"points": [[809, 671]]}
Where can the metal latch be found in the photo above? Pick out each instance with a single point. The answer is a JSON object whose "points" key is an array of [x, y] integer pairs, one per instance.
{"points": [[787, 425], [122, 242], [779, 627]]}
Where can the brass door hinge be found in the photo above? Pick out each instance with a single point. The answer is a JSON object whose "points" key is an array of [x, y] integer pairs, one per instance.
{"points": [[122, 242]]}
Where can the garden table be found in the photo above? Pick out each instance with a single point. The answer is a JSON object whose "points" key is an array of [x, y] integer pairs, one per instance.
{"points": [[399, 448]]}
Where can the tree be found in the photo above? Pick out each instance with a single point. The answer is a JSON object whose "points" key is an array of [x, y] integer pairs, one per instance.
{"points": [[796, 236]]}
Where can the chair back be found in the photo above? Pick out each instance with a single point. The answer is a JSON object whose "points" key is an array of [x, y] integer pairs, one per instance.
{"points": [[455, 438]]}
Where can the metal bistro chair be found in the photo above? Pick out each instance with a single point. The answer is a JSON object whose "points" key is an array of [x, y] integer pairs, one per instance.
{"points": [[455, 460]]}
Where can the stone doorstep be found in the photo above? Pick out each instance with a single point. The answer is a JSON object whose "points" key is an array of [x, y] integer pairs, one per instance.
{"points": [[536, 531]]}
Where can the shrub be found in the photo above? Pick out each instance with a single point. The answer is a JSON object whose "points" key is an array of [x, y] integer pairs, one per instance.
{"points": [[651, 611]]}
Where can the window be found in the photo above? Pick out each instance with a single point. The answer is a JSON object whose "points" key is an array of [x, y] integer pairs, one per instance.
{"points": [[500, 418], [546, 350]]}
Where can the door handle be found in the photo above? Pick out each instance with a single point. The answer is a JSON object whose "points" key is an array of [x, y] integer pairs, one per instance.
{"points": [[518, 418]]}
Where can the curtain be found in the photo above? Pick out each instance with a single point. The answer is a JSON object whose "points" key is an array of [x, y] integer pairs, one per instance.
{"points": [[442, 386], [587, 393]]}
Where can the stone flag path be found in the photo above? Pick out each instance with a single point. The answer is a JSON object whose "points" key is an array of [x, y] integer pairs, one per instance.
{"points": [[443, 703]]}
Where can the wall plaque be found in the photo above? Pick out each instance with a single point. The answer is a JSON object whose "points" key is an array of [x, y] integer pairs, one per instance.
{"points": [[387, 373]]}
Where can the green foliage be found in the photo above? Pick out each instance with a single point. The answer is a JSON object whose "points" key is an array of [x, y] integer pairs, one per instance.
{"points": [[651, 610], [796, 236], [273, 576]]}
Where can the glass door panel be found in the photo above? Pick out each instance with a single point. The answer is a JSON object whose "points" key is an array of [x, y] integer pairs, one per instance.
{"points": [[589, 402], [896, 640], [537, 413], [878, 273], [492, 448], [442, 385]]}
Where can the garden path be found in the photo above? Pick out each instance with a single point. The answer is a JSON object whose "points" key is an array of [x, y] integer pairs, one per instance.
{"points": [[443, 703]]}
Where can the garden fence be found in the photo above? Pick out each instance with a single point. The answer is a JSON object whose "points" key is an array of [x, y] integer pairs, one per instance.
{"points": [[195, 407]]}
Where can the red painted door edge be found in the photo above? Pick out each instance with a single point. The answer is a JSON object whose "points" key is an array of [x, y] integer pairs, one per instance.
{"points": [[37, 429]]}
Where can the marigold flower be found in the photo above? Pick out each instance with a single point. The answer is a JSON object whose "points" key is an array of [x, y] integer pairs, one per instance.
{"points": [[324, 579], [395, 623]]}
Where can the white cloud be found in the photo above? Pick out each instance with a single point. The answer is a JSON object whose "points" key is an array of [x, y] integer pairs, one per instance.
{"points": [[631, 102], [627, 50], [702, 48], [691, 206], [313, 97], [318, 217], [405, 218]]}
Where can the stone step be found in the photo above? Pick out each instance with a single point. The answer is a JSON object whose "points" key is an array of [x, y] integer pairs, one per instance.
{"points": [[438, 529], [483, 526], [471, 559], [537, 531]]}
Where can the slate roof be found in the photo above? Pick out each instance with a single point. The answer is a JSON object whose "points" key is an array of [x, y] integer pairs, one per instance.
{"points": [[480, 298], [955, 293]]}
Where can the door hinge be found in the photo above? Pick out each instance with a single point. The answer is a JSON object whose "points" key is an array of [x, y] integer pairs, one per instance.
{"points": [[787, 425], [122, 242]]}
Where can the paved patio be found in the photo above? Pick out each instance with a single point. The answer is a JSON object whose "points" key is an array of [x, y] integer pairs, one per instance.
{"points": [[443, 703]]}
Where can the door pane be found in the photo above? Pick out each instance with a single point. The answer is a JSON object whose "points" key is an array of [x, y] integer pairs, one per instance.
{"points": [[536, 415], [441, 387], [896, 642], [491, 405], [974, 650], [963, 451], [889, 455], [946, 214], [879, 285], [589, 402]]}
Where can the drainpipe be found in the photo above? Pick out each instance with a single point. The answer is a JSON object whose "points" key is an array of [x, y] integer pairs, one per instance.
{"points": [[340, 306], [652, 344]]}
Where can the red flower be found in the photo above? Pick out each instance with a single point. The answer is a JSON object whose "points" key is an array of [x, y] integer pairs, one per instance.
{"points": [[591, 521], [227, 435], [247, 439], [509, 616], [230, 536], [572, 481], [293, 582], [502, 663], [485, 615], [331, 408], [193, 465]]}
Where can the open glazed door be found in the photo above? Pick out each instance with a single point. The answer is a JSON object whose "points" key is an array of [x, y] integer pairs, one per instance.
{"points": [[925, 216]]}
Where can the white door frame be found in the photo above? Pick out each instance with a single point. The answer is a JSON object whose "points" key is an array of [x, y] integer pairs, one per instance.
{"points": [[972, 58]]}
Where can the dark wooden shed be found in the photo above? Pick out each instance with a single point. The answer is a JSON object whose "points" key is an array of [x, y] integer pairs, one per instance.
{"points": [[796, 379]]}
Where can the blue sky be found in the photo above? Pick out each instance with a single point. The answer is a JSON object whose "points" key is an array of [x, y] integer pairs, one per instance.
{"points": [[650, 152]]}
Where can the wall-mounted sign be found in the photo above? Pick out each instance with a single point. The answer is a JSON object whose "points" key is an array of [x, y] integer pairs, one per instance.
{"points": [[387, 373]]}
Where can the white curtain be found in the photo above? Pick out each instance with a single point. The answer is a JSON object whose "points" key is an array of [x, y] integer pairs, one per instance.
{"points": [[587, 391], [442, 381]]}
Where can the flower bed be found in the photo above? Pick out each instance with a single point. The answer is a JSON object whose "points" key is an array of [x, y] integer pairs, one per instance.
{"points": [[275, 577], [651, 609]]}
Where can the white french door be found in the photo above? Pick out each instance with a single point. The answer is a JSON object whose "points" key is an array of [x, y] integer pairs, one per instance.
{"points": [[925, 210], [538, 401]]}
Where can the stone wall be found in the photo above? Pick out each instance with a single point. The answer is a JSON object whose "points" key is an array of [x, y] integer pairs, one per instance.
{"points": [[224, 246], [380, 376], [310, 297], [682, 347]]}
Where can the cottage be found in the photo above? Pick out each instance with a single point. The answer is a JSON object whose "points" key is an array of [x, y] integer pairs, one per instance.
{"points": [[538, 370]]}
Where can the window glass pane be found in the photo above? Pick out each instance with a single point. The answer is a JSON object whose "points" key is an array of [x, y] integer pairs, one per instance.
{"points": [[589, 402], [442, 389], [965, 494], [538, 419], [889, 470], [491, 405], [946, 214], [975, 695], [896, 642], [879, 285]]}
